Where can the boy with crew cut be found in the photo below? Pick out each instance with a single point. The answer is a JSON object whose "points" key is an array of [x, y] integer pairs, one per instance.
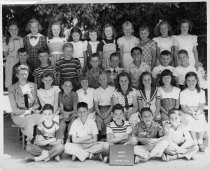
{"points": [[118, 131], [165, 59], [48, 143], [136, 68], [43, 55], [184, 67], [93, 73], [149, 134], [181, 144], [23, 60], [114, 69], [84, 136], [69, 67]]}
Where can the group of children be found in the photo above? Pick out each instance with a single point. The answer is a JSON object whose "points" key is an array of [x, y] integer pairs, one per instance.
{"points": [[79, 81]]}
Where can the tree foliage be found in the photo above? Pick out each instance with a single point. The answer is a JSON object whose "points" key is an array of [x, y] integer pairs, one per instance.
{"points": [[97, 14]]}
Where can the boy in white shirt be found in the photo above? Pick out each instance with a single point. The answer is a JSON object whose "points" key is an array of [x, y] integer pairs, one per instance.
{"points": [[165, 59], [183, 69], [136, 68], [84, 136], [180, 140]]}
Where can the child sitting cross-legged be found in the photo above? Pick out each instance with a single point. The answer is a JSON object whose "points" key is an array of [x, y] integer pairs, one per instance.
{"points": [[118, 131], [180, 141], [84, 136], [47, 144], [151, 142]]}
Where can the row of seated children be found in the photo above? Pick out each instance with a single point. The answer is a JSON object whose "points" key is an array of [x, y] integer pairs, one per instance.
{"points": [[83, 50], [149, 138]]}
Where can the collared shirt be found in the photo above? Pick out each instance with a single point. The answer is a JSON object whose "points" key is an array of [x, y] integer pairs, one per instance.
{"points": [[135, 72], [86, 96], [118, 130], [117, 95], [34, 41], [179, 135], [79, 129], [186, 97], [68, 101], [103, 96], [155, 131], [16, 97]]}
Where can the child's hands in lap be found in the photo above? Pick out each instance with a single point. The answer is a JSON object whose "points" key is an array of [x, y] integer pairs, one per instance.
{"points": [[181, 150]]}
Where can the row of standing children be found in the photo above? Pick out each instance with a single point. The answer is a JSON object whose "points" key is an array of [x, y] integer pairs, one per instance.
{"points": [[55, 40]]}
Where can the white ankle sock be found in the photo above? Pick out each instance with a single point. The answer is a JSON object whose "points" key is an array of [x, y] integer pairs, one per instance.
{"points": [[195, 141], [43, 156], [200, 141]]}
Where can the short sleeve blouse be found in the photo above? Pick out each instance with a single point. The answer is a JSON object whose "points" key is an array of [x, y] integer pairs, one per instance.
{"points": [[192, 98]]}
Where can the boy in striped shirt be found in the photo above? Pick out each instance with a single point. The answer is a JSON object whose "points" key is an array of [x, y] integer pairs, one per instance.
{"points": [[43, 54], [118, 131], [68, 67]]}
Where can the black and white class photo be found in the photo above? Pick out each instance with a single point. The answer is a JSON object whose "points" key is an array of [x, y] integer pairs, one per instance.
{"points": [[104, 85]]}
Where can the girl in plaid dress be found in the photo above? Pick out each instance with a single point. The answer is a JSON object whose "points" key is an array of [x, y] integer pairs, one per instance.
{"points": [[148, 47], [34, 41]]}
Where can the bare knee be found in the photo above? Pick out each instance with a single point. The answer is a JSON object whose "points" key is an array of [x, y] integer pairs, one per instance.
{"points": [[106, 146], [133, 140], [60, 147]]}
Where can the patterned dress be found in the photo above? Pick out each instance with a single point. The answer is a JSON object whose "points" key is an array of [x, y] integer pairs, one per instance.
{"points": [[33, 49], [128, 105], [147, 48]]}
